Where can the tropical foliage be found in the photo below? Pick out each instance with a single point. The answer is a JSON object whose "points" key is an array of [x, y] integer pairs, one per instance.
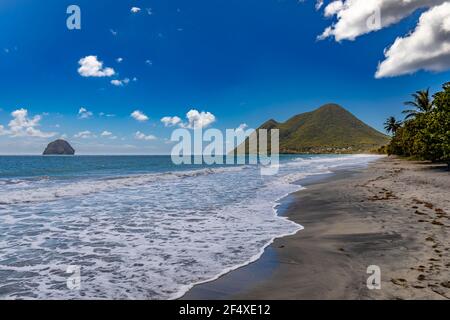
{"points": [[425, 133], [392, 125], [421, 104]]}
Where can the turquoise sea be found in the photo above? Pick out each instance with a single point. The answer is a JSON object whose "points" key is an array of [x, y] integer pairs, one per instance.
{"points": [[138, 227]]}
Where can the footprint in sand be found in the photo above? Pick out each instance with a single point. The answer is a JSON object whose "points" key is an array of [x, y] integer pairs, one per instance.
{"points": [[399, 282], [418, 287], [421, 277], [428, 205]]}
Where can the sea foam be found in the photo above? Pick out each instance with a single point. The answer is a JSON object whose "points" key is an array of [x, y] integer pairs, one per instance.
{"points": [[146, 236]]}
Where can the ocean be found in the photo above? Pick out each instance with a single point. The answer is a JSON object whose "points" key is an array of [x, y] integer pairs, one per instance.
{"points": [[138, 227]]}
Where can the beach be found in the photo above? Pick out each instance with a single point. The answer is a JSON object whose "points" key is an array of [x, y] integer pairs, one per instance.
{"points": [[395, 214], [141, 227]]}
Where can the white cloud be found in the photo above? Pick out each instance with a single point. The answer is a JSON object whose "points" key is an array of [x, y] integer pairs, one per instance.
{"points": [[171, 121], [3, 131], [358, 17], [141, 136], [119, 60], [149, 11], [22, 126], [195, 120], [83, 113], [108, 115], [319, 4], [198, 120], [242, 127], [149, 62], [135, 10], [90, 66], [333, 8], [139, 116], [120, 83], [426, 48], [84, 135], [108, 134], [113, 32]]}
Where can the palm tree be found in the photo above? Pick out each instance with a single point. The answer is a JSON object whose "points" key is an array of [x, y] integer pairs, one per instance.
{"points": [[392, 125], [422, 103]]}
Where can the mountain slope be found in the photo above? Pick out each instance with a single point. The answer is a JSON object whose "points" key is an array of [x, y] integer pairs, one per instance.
{"points": [[329, 129]]}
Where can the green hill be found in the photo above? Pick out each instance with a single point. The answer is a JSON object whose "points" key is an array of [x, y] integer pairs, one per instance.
{"points": [[329, 129]]}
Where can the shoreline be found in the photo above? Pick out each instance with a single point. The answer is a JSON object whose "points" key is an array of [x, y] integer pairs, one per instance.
{"points": [[354, 218], [277, 208], [195, 290], [248, 274]]}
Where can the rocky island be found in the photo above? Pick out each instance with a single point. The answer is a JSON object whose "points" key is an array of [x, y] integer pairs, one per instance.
{"points": [[59, 147]]}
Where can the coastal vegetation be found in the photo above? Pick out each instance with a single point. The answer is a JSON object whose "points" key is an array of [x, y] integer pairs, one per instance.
{"points": [[425, 132]]}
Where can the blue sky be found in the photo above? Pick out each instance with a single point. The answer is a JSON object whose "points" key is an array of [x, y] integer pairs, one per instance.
{"points": [[241, 61]]}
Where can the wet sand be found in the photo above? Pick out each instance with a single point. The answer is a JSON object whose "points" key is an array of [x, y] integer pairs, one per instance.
{"points": [[395, 214]]}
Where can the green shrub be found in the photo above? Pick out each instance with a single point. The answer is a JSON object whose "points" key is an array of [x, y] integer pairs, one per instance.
{"points": [[426, 134]]}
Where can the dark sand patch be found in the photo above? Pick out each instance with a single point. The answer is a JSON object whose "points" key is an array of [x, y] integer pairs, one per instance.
{"points": [[354, 219]]}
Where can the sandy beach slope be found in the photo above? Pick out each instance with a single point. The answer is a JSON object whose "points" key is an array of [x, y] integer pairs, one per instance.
{"points": [[395, 214]]}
